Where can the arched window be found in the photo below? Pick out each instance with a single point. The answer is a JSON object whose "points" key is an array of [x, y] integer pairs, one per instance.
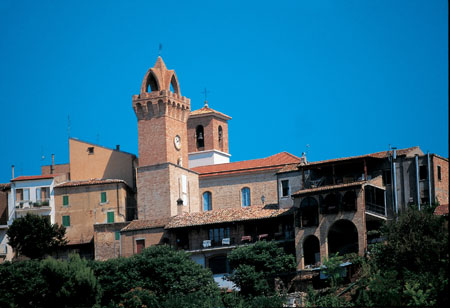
{"points": [[245, 196], [199, 134], [207, 201], [311, 250], [330, 204], [152, 83], [309, 209], [349, 201], [220, 133]]}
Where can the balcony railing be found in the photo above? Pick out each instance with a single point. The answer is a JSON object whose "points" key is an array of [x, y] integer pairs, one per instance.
{"points": [[376, 208], [27, 204]]}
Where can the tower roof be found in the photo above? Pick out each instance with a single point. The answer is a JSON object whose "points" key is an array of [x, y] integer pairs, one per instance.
{"points": [[159, 78], [205, 111]]}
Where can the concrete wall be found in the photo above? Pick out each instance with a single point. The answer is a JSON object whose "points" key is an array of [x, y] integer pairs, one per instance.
{"points": [[103, 163]]}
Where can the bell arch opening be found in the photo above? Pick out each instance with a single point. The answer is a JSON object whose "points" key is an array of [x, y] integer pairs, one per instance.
{"points": [[200, 137], [152, 83], [174, 85]]}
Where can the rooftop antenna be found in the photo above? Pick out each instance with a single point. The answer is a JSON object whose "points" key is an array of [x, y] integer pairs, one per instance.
{"points": [[205, 92]]}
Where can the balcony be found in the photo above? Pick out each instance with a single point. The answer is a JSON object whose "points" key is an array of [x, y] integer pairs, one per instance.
{"points": [[26, 205]]}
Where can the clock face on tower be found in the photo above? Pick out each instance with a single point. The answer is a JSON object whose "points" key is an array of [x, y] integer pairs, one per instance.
{"points": [[177, 142]]}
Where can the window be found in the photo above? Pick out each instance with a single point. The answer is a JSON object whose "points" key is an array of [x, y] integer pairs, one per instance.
{"points": [[140, 245], [245, 196], [103, 197], [66, 221], [219, 265], [439, 176], [117, 235], [65, 200], [216, 235], [308, 216], [19, 194], [207, 201], [199, 134], [220, 132], [110, 217], [330, 204], [285, 192], [423, 172], [38, 194], [26, 194], [387, 177], [90, 150]]}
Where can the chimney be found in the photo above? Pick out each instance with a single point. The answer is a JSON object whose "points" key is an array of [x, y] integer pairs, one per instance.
{"points": [[118, 147], [303, 160], [12, 169], [52, 168]]}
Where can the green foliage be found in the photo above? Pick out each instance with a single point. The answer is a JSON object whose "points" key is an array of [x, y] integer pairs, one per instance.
{"points": [[48, 283], [236, 300], [138, 298], [333, 270], [326, 298], [256, 266], [167, 273], [34, 236], [411, 267]]}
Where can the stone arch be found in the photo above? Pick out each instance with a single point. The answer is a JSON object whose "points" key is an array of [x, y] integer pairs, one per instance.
{"points": [[174, 84], [151, 82], [330, 203], [309, 209], [311, 250], [342, 237]]}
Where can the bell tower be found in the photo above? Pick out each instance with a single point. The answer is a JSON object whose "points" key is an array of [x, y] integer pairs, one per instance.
{"points": [[166, 187]]}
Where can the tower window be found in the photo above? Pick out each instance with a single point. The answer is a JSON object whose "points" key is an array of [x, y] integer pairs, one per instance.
{"points": [[245, 196], [220, 132], [200, 136], [207, 201]]}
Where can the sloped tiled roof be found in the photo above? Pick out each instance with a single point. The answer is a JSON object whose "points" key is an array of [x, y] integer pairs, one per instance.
{"points": [[205, 110], [328, 187], [272, 162], [90, 182], [34, 177], [224, 215], [382, 154], [146, 224], [442, 210]]}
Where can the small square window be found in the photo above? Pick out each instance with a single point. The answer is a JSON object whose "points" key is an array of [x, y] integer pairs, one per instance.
{"points": [[65, 200], [90, 150], [110, 217], [66, 221], [103, 197]]}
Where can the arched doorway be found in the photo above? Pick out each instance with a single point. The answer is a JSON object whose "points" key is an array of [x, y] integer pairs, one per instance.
{"points": [[342, 237], [311, 250]]}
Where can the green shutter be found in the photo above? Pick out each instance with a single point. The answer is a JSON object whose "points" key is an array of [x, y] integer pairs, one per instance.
{"points": [[103, 197], [66, 221], [110, 217], [65, 200], [117, 235]]}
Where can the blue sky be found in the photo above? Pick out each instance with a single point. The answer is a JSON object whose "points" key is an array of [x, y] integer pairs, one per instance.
{"points": [[344, 77]]}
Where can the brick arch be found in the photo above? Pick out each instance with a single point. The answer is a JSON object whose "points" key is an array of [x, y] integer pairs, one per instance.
{"points": [[342, 237]]}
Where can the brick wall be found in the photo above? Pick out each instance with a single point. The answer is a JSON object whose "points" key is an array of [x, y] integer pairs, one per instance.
{"points": [[440, 186], [211, 133], [226, 190], [151, 236], [325, 222], [106, 244]]}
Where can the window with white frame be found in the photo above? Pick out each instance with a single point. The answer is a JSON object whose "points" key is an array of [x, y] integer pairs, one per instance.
{"points": [[245, 196]]}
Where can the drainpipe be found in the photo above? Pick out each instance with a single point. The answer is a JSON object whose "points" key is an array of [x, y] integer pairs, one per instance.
{"points": [[394, 182], [417, 180], [52, 168], [429, 178]]}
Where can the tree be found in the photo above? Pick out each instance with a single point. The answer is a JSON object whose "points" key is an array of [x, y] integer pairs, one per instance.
{"points": [[256, 266], [411, 266], [159, 272], [34, 236]]}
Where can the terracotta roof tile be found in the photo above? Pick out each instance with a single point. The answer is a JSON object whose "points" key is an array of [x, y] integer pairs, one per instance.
{"points": [[34, 177], [442, 210], [329, 187], [272, 162], [224, 215], [205, 110], [146, 224], [90, 182], [383, 154]]}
